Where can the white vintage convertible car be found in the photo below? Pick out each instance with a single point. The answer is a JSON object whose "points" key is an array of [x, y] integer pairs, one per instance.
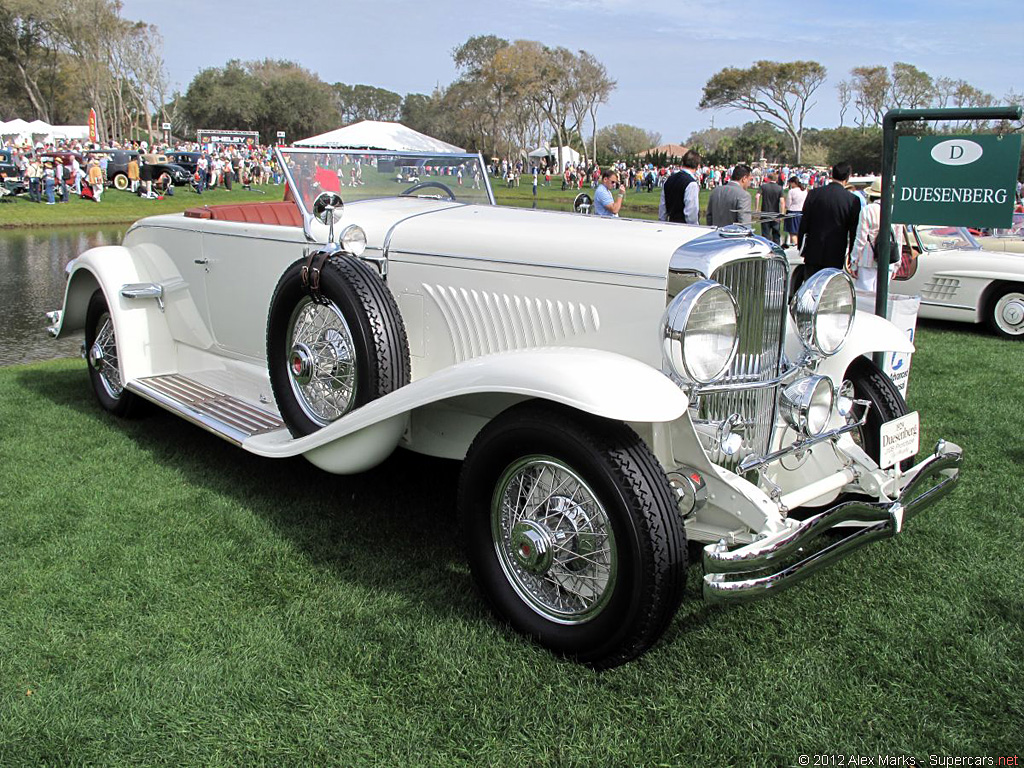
{"points": [[616, 389]]}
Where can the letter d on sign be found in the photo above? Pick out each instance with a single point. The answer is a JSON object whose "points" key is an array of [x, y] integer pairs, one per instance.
{"points": [[957, 152]]}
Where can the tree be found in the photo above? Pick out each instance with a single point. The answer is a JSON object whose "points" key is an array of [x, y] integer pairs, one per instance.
{"points": [[28, 46], [225, 97], [870, 87], [844, 90], [775, 92], [619, 141], [910, 88], [592, 88], [366, 102], [476, 53]]}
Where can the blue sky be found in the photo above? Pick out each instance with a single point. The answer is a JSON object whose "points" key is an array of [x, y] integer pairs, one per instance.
{"points": [[660, 52]]}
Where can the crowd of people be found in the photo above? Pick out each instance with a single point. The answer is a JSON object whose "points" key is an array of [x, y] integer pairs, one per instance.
{"points": [[53, 172]]}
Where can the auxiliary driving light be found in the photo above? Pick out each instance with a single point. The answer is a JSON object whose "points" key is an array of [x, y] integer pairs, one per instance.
{"points": [[353, 240], [806, 405]]}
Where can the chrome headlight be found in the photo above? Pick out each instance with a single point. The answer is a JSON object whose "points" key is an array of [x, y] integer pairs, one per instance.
{"points": [[806, 405], [699, 332], [823, 311], [353, 240]]}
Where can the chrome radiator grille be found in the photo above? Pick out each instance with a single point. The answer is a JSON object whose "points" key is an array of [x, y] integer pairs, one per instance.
{"points": [[760, 286]]}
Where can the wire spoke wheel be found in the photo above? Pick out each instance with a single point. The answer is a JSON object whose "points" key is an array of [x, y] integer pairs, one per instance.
{"points": [[321, 361], [103, 357], [553, 539]]}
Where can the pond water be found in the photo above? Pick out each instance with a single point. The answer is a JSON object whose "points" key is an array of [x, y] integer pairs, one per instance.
{"points": [[32, 280]]}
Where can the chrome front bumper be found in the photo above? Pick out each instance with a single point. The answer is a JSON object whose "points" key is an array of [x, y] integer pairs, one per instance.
{"points": [[781, 560]]}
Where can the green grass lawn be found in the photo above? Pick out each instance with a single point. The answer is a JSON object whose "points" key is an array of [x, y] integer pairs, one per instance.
{"points": [[169, 599]]}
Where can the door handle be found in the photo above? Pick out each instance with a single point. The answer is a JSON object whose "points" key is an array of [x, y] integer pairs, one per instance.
{"points": [[201, 261]]}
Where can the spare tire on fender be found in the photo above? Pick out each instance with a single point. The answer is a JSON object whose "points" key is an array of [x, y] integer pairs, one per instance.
{"points": [[331, 354]]}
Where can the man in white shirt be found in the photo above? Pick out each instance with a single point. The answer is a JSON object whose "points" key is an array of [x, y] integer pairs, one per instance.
{"points": [[680, 194]]}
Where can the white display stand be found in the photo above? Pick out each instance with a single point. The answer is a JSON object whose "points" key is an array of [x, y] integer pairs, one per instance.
{"points": [[901, 311]]}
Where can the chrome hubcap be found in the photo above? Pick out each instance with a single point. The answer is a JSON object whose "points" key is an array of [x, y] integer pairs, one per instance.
{"points": [[553, 539], [103, 357], [1010, 313], [301, 364], [531, 547], [321, 361]]}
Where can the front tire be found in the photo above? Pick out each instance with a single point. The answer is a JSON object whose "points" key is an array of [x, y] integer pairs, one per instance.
{"points": [[104, 366], [121, 182], [1006, 312], [330, 357], [870, 383], [572, 532]]}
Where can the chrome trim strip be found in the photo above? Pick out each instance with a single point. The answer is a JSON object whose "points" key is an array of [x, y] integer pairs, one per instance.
{"points": [[882, 520], [386, 247], [622, 273], [949, 306]]}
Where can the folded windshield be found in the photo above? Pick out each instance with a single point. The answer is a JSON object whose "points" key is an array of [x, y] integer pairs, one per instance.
{"points": [[372, 174]]}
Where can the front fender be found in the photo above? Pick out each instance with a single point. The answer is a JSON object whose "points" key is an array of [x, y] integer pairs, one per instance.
{"points": [[597, 382], [144, 343], [870, 333]]}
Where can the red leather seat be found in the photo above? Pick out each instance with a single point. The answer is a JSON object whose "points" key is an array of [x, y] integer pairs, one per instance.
{"points": [[280, 214]]}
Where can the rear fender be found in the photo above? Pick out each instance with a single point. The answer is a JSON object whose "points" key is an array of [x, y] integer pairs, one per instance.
{"points": [[144, 343]]}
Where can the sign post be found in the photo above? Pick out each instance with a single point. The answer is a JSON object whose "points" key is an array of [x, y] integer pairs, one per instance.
{"points": [[935, 181]]}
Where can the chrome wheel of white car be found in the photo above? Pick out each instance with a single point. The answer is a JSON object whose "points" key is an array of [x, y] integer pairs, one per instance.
{"points": [[103, 357], [104, 363], [553, 539], [322, 361], [1007, 314], [572, 532]]}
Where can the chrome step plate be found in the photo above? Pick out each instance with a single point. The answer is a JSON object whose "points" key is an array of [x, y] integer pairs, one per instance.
{"points": [[226, 416]]}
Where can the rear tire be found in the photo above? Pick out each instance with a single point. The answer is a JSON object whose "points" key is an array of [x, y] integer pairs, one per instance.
{"points": [[1006, 312], [121, 182], [572, 532]]}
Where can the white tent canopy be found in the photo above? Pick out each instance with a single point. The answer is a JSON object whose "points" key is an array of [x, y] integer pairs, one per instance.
{"points": [[38, 129], [569, 155], [374, 134]]}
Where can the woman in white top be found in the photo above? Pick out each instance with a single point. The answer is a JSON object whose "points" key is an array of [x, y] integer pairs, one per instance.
{"points": [[794, 207], [863, 257]]}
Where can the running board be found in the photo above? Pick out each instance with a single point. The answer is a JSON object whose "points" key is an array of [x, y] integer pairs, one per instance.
{"points": [[223, 415]]}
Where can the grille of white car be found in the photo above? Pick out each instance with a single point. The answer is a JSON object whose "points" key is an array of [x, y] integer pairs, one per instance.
{"points": [[760, 286]]}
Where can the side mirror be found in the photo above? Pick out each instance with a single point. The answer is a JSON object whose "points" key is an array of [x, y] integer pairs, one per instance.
{"points": [[582, 203], [327, 209]]}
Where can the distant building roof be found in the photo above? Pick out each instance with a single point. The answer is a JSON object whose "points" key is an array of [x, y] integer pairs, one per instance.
{"points": [[672, 150]]}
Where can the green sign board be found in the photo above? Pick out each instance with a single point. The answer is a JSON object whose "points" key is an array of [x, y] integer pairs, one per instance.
{"points": [[956, 180]]}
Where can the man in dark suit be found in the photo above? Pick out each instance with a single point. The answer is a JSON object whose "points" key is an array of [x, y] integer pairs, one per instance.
{"points": [[730, 203], [828, 226], [769, 201]]}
